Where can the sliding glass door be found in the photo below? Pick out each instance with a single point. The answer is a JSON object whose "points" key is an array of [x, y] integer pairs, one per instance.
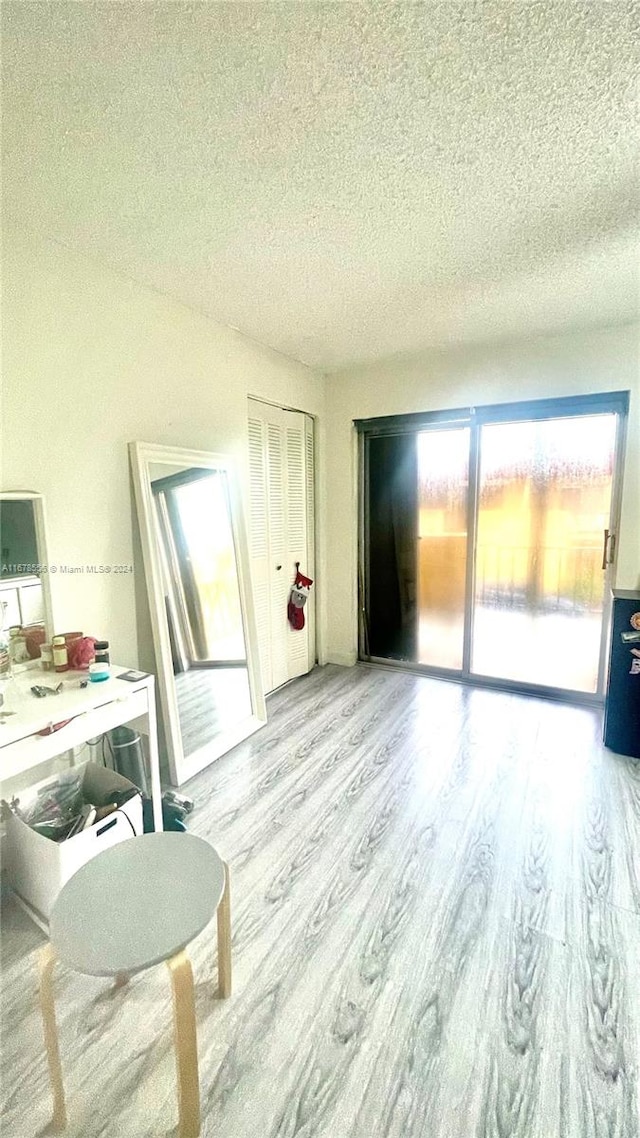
{"points": [[487, 540], [443, 488], [544, 501]]}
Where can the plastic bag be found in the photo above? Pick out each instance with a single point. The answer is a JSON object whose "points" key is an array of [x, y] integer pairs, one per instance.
{"points": [[53, 809]]}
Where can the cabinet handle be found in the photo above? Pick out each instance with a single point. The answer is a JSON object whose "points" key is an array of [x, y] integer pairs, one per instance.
{"points": [[108, 826], [278, 566]]}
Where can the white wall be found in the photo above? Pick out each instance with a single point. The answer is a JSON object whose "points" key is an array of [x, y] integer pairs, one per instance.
{"points": [[92, 361], [600, 360]]}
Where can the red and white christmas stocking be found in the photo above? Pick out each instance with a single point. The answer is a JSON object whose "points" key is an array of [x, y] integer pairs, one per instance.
{"points": [[298, 599]]}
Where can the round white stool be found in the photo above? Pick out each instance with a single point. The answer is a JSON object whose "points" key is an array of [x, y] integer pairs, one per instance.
{"points": [[135, 905]]}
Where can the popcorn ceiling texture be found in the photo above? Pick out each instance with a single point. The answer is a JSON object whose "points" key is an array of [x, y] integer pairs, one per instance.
{"points": [[339, 181]]}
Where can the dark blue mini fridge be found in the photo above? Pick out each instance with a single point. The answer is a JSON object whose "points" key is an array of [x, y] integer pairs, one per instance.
{"points": [[622, 711]]}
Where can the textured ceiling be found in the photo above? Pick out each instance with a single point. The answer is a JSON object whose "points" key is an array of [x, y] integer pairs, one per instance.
{"points": [[339, 181]]}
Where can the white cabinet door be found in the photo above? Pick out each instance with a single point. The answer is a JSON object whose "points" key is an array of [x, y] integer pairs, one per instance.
{"points": [[281, 534]]}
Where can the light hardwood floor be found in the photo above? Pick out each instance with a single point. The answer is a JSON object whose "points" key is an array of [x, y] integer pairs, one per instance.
{"points": [[210, 700], [436, 912]]}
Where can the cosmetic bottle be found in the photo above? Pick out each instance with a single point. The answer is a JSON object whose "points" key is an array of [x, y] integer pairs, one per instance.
{"points": [[60, 656]]}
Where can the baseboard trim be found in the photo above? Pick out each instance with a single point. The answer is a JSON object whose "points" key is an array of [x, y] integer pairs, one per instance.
{"points": [[344, 659]]}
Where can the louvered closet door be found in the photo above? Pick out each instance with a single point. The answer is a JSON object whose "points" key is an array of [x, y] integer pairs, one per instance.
{"points": [[259, 542], [281, 525], [278, 582], [298, 532]]}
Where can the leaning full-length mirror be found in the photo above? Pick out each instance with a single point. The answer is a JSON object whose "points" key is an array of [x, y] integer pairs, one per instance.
{"points": [[196, 566]]}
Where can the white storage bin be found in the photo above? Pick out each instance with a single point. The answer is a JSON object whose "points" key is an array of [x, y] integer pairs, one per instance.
{"points": [[38, 867]]}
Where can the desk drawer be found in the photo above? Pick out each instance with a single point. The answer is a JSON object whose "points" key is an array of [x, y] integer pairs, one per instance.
{"points": [[26, 753]]}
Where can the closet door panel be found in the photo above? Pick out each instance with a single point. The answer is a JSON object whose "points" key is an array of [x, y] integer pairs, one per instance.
{"points": [[279, 582], [259, 544], [297, 639], [282, 482], [310, 475]]}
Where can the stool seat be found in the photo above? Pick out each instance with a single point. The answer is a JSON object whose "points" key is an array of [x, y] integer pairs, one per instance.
{"points": [[134, 905], [137, 904]]}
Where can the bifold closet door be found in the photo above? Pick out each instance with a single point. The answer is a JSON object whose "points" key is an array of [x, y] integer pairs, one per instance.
{"points": [[281, 466]]}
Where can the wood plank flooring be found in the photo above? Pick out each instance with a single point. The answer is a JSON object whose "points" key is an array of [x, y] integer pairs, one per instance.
{"points": [[210, 700], [436, 913]]}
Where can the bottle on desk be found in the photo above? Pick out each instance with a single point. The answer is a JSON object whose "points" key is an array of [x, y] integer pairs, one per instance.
{"points": [[100, 669], [60, 654]]}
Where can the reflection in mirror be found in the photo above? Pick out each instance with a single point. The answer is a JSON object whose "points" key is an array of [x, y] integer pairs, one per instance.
{"points": [[24, 582], [202, 602], [202, 617]]}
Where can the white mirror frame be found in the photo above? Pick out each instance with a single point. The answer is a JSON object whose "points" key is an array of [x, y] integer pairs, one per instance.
{"points": [[181, 766], [41, 542]]}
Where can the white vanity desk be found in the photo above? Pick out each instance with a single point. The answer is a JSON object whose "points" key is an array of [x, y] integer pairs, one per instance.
{"points": [[91, 711]]}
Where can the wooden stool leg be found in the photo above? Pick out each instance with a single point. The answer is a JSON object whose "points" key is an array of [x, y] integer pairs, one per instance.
{"points": [[224, 938], [46, 964], [186, 1044]]}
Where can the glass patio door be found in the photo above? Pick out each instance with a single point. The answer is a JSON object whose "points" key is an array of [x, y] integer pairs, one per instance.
{"points": [[485, 553], [443, 490], [544, 502]]}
